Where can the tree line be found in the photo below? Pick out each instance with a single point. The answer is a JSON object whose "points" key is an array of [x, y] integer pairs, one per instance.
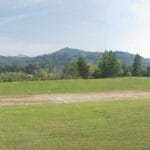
{"points": [[109, 66]]}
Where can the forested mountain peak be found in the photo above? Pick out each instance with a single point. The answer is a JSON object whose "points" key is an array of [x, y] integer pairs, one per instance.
{"points": [[65, 55]]}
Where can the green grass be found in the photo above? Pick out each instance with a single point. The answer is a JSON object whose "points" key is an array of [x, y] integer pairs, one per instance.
{"points": [[62, 86], [116, 125]]}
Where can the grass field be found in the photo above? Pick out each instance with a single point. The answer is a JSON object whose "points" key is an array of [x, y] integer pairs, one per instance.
{"points": [[113, 125], [66, 86], [116, 125]]}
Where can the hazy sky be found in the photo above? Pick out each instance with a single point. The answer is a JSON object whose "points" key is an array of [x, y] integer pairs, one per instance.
{"points": [[34, 27]]}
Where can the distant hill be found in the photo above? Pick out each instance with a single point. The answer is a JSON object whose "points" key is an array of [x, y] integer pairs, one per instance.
{"points": [[65, 55], [128, 58], [13, 59]]}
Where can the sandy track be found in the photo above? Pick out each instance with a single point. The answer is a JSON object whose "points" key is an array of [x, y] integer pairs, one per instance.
{"points": [[74, 97]]}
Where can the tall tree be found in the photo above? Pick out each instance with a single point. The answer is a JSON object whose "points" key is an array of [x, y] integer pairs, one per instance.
{"points": [[147, 71], [110, 65], [137, 69], [127, 70], [83, 68], [73, 69]]}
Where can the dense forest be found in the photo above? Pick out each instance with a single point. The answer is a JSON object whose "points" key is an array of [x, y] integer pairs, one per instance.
{"points": [[107, 65]]}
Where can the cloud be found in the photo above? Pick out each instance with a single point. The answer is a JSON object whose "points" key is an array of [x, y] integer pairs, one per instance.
{"points": [[12, 48], [138, 38], [128, 26], [140, 8], [85, 24], [22, 2], [5, 20], [27, 3]]}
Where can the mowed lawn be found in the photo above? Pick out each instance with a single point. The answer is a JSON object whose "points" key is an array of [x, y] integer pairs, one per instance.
{"points": [[66, 86], [116, 125]]}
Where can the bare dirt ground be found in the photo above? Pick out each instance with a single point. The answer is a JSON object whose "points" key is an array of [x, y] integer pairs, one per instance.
{"points": [[73, 97]]}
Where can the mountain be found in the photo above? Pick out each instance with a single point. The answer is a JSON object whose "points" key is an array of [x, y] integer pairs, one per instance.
{"points": [[13, 59], [128, 58], [65, 55]]}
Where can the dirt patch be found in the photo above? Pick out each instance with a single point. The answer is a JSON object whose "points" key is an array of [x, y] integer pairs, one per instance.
{"points": [[74, 97]]}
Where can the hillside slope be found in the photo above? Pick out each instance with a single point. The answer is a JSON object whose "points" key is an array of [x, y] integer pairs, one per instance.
{"points": [[65, 55]]}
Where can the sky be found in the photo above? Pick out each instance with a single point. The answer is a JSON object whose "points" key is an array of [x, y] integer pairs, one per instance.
{"points": [[35, 27]]}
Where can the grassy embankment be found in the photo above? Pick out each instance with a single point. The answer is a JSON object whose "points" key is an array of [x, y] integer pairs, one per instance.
{"points": [[66, 86]]}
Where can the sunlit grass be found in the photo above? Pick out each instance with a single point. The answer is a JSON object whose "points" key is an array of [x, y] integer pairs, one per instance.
{"points": [[117, 125], [66, 86]]}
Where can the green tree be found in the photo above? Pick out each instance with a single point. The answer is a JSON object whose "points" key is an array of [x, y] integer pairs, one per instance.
{"points": [[41, 74], [137, 69], [94, 72], [147, 72], [83, 68], [127, 70], [72, 69], [110, 65]]}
